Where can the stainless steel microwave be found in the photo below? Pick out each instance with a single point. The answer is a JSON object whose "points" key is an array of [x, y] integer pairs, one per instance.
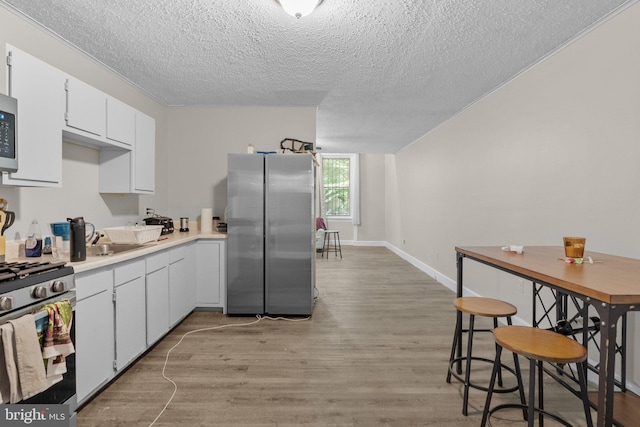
{"points": [[8, 136]]}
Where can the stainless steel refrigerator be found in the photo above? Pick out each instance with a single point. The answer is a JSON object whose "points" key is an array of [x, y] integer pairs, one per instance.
{"points": [[270, 234]]}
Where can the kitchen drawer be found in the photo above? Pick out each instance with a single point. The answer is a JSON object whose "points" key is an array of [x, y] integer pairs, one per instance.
{"points": [[177, 254], [125, 273], [92, 284], [157, 261]]}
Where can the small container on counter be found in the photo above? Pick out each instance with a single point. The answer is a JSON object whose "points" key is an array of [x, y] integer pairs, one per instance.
{"points": [[33, 243]]}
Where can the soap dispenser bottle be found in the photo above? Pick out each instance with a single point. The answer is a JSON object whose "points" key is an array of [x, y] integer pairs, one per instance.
{"points": [[78, 244], [33, 244]]}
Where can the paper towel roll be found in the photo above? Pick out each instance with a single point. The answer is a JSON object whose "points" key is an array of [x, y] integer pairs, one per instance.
{"points": [[206, 220]]}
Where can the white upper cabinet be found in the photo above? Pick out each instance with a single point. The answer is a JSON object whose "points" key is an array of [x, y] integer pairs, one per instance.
{"points": [[131, 171], [86, 108], [53, 107], [39, 89], [121, 122], [96, 120], [144, 155]]}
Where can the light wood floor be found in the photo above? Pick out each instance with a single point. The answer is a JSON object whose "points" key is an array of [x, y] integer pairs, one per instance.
{"points": [[374, 353]]}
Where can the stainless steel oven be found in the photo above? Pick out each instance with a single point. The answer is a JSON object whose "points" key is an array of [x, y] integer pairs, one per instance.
{"points": [[26, 287]]}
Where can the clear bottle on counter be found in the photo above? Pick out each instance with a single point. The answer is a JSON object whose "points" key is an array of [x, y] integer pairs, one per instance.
{"points": [[33, 244], [46, 248]]}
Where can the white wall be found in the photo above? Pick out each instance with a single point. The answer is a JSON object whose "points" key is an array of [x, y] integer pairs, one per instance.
{"points": [[372, 199], [200, 139], [554, 152]]}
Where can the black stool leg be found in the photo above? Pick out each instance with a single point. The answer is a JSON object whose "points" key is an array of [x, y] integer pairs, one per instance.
{"points": [[582, 379], [516, 362], [492, 382], [540, 394], [454, 346], [326, 244], [495, 325], [467, 374], [532, 391]]}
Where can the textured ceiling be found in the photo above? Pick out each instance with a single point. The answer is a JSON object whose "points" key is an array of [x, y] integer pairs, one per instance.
{"points": [[381, 72]]}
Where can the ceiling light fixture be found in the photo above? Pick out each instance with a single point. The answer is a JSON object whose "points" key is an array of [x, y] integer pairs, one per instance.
{"points": [[299, 8]]}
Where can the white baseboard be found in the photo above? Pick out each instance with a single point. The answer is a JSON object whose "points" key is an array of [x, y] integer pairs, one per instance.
{"points": [[369, 243], [443, 279], [430, 271]]}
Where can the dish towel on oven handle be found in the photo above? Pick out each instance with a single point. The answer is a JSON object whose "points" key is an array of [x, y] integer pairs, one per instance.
{"points": [[56, 341], [24, 359]]}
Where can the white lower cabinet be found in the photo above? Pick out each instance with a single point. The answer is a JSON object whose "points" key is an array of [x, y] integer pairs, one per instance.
{"points": [[94, 331], [125, 308], [157, 286], [211, 274], [181, 288], [130, 313]]}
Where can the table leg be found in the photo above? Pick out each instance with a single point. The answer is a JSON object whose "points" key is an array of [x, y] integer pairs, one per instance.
{"points": [[459, 258], [609, 316]]}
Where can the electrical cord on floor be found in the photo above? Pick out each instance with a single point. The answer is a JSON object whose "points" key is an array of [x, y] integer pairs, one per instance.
{"points": [[212, 328]]}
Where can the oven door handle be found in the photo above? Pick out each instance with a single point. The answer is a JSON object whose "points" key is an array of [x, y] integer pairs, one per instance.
{"points": [[39, 311]]}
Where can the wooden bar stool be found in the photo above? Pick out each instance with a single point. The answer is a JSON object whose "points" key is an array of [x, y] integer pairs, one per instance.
{"points": [[485, 307], [538, 345]]}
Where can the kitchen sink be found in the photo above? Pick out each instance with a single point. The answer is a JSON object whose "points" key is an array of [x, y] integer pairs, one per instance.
{"points": [[112, 248]]}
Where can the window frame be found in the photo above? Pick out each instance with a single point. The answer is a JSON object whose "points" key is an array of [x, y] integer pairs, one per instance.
{"points": [[353, 194]]}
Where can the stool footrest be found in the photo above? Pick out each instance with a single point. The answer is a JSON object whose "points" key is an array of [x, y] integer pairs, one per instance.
{"points": [[525, 408], [460, 378]]}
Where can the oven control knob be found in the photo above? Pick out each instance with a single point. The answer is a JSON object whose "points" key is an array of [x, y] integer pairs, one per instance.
{"points": [[39, 292], [57, 286], [5, 303]]}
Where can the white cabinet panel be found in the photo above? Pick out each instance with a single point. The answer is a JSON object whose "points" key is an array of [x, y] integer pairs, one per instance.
{"points": [[157, 284], [177, 300], [39, 89], [211, 274], [94, 332], [144, 164], [180, 287], [190, 289], [86, 107], [131, 171], [121, 122], [130, 313]]}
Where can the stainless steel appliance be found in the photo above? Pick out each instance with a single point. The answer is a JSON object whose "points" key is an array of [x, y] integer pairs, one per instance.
{"points": [[164, 221], [26, 287], [8, 134], [270, 234]]}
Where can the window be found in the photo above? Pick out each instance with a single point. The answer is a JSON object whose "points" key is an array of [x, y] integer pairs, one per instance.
{"points": [[337, 180], [340, 186]]}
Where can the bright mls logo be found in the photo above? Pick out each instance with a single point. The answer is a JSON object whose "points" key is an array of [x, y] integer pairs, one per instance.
{"points": [[34, 415]]}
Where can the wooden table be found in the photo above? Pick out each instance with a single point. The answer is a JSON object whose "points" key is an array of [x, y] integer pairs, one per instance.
{"points": [[611, 286]]}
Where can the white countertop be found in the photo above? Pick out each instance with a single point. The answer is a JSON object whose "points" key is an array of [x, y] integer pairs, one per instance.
{"points": [[167, 241]]}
